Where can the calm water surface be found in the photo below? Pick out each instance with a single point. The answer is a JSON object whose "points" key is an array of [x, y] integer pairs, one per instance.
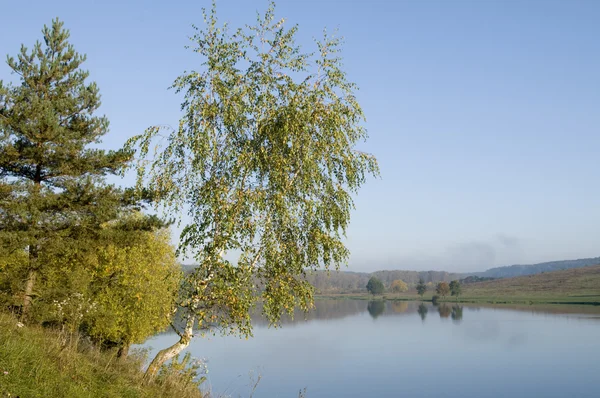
{"points": [[353, 348]]}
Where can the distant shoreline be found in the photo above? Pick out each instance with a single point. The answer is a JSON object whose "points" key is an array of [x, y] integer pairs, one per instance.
{"points": [[572, 286], [594, 300]]}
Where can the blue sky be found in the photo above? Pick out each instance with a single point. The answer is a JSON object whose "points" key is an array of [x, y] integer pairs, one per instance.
{"points": [[484, 115]]}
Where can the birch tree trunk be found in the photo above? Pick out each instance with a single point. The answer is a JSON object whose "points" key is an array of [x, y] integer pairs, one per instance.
{"points": [[168, 353]]}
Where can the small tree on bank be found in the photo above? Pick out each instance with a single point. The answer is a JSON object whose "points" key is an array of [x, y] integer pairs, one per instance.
{"points": [[455, 289], [134, 287], [118, 288], [421, 288], [442, 289], [398, 286], [375, 286], [263, 160]]}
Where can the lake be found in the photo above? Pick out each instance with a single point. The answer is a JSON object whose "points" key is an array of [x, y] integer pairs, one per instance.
{"points": [[355, 348]]}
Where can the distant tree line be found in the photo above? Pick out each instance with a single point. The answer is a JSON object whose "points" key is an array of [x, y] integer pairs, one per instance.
{"points": [[376, 286], [356, 282], [475, 279]]}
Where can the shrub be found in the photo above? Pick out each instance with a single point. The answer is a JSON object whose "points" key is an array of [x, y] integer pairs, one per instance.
{"points": [[375, 286]]}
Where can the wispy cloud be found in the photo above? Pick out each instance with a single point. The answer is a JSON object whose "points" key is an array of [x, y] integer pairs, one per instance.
{"points": [[470, 256]]}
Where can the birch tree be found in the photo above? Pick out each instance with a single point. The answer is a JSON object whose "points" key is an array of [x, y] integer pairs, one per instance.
{"points": [[264, 164]]}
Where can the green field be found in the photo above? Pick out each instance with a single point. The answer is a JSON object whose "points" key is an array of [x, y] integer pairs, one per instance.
{"points": [[573, 286]]}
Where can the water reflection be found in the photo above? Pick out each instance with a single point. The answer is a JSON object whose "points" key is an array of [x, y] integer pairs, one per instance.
{"points": [[343, 308], [399, 306], [320, 351], [444, 310], [422, 310], [376, 308], [457, 313], [324, 310]]}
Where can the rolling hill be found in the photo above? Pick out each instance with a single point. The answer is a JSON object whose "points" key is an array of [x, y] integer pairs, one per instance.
{"points": [[566, 286], [532, 269]]}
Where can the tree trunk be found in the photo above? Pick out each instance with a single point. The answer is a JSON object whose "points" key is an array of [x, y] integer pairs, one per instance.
{"points": [[123, 351], [168, 353], [33, 255], [30, 283], [28, 293]]}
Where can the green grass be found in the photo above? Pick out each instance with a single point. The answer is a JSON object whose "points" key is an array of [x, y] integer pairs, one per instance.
{"points": [[37, 362], [573, 286]]}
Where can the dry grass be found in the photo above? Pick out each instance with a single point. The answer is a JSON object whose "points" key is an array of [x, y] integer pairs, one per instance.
{"points": [[573, 285]]}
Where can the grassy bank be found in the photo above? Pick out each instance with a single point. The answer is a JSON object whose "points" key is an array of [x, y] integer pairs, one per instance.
{"points": [[573, 286], [37, 362]]}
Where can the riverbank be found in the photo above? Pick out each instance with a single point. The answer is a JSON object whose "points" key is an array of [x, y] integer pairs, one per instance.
{"points": [[573, 286], [40, 362], [591, 300]]}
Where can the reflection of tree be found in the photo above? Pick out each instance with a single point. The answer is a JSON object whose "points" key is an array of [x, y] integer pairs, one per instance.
{"points": [[422, 310], [324, 310], [457, 313], [399, 306], [444, 311], [376, 308]]}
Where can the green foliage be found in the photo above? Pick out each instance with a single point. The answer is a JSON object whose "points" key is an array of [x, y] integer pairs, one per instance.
{"points": [[421, 288], [398, 286], [455, 289], [264, 161], [39, 362], [13, 265], [375, 286], [133, 288], [51, 182], [442, 289], [119, 289]]}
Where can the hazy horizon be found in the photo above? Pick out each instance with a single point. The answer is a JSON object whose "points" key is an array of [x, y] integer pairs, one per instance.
{"points": [[483, 115], [375, 269]]}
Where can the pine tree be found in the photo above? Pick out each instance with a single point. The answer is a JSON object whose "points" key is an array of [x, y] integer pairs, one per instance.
{"points": [[51, 181]]}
